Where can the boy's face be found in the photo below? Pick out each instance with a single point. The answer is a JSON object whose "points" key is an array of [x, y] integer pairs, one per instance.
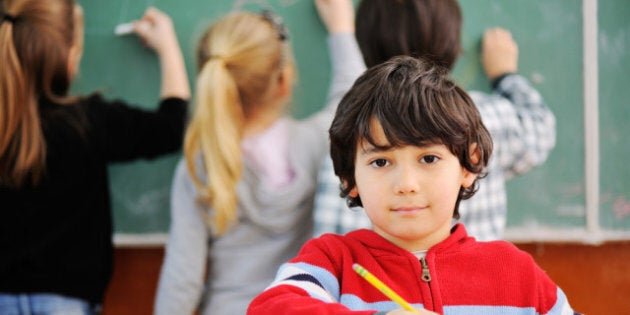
{"points": [[409, 193]]}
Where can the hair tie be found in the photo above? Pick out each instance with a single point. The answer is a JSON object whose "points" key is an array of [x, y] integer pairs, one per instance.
{"points": [[276, 22], [9, 18]]}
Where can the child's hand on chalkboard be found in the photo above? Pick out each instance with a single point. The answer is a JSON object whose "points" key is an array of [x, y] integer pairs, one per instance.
{"points": [[499, 53], [337, 15], [156, 30]]}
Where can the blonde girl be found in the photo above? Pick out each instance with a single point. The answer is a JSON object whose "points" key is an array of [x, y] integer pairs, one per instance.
{"points": [[56, 227], [243, 193]]}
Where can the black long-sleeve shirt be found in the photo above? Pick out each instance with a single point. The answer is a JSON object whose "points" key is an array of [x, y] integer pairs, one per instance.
{"points": [[56, 237]]}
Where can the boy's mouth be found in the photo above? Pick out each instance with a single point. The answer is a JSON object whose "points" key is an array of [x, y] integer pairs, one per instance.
{"points": [[408, 210]]}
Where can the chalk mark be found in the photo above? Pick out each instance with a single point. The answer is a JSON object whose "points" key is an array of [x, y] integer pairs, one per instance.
{"points": [[621, 207]]}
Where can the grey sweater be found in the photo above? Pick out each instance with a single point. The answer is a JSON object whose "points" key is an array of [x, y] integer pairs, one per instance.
{"points": [[221, 275]]}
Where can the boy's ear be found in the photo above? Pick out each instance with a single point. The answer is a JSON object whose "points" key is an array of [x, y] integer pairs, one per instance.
{"points": [[354, 192], [475, 153], [475, 156]]}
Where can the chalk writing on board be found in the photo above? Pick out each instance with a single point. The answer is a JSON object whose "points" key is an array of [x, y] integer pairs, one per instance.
{"points": [[621, 207]]}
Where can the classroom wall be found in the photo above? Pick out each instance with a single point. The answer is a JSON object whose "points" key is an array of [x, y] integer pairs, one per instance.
{"points": [[596, 279]]}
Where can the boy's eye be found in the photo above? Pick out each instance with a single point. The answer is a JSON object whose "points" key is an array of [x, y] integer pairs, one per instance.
{"points": [[429, 159], [379, 163]]}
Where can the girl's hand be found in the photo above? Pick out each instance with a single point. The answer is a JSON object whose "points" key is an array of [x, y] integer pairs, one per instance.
{"points": [[499, 53], [337, 15], [156, 30]]}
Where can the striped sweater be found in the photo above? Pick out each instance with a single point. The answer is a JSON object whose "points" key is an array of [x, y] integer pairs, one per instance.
{"points": [[457, 276]]}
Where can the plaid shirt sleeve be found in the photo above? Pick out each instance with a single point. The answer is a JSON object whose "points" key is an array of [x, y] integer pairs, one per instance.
{"points": [[523, 128]]}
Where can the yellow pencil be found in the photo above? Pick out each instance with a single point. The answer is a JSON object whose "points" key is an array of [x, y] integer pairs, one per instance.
{"points": [[382, 287]]}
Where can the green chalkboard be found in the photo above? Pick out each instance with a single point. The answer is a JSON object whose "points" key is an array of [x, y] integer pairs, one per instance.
{"points": [[550, 39], [614, 104]]}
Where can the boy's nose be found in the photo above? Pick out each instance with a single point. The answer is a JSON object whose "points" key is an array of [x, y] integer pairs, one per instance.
{"points": [[406, 182]]}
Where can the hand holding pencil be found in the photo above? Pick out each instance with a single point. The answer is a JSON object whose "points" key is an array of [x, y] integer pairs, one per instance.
{"points": [[407, 308]]}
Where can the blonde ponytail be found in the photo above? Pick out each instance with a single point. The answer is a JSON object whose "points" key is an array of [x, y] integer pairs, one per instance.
{"points": [[215, 131]]}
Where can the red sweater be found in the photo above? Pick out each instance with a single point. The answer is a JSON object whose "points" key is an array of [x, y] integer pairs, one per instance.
{"points": [[462, 276]]}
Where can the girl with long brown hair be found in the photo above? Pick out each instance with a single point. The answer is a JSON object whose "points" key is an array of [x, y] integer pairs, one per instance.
{"points": [[56, 225]]}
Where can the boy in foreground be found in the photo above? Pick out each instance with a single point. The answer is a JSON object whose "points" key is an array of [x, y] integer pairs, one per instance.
{"points": [[408, 145]]}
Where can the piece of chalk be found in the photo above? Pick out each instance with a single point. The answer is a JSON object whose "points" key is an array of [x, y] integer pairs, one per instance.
{"points": [[124, 29]]}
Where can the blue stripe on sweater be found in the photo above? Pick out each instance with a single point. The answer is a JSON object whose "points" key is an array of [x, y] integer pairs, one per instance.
{"points": [[562, 304], [305, 277], [354, 302], [324, 278], [489, 310]]}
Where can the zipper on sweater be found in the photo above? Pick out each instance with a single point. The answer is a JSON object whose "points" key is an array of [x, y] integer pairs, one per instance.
{"points": [[426, 276]]}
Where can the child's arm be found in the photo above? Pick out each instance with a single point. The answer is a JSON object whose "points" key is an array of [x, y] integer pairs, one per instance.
{"points": [[157, 31], [337, 15], [308, 284], [182, 275], [346, 66], [523, 128], [347, 63]]}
